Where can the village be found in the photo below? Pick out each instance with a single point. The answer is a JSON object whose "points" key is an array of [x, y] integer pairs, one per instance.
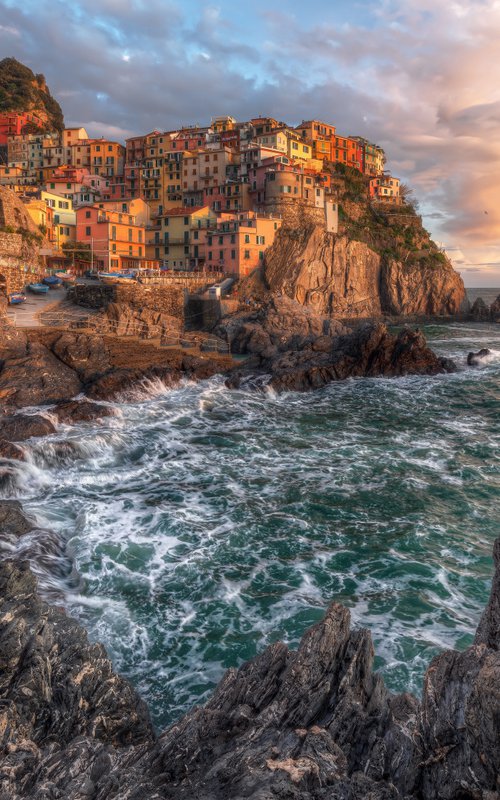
{"points": [[198, 199]]}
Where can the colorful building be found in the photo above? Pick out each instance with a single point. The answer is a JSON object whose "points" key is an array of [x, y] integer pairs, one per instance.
{"points": [[385, 188], [237, 243], [117, 241], [179, 239]]}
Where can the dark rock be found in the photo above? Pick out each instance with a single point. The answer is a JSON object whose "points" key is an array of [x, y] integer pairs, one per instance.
{"points": [[473, 359], [87, 355], [13, 520], [35, 377], [20, 427], [480, 311], [80, 411], [369, 351], [11, 451]]}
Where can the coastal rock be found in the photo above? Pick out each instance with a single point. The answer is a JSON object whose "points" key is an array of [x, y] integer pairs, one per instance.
{"points": [[368, 351], [311, 724], [11, 451], [473, 359], [88, 355], [35, 376], [13, 520], [20, 427], [480, 311], [357, 273], [80, 411]]}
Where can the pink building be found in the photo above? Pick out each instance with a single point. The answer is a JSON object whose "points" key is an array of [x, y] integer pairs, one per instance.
{"points": [[238, 242]]}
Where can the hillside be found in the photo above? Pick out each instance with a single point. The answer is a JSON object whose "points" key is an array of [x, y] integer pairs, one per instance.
{"points": [[22, 90], [382, 261]]}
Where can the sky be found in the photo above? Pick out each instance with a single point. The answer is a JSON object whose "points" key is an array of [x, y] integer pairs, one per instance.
{"points": [[419, 77]]}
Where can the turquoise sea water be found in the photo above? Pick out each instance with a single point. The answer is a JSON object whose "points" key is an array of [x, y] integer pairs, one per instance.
{"points": [[207, 523]]}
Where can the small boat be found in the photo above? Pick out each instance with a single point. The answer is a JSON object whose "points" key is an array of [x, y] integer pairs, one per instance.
{"points": [[66, 277], [38, 288], [52, 280], [16, 298], [110, 278]]}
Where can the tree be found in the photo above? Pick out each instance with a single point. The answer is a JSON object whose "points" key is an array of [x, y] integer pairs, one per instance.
{"points": [[78, 250]]}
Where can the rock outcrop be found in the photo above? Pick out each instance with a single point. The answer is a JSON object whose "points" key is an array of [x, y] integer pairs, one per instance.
{"points": [[313, 724], [22, 90], [294, 349], [378, 264]]}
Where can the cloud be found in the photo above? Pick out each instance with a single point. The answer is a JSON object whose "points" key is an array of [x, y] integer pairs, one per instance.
{"points": [[421, 78]]}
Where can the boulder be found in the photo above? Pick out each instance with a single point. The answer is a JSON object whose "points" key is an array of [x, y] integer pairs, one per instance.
{"points": [[20, 427], [11, 451], [33, 376], [474, 359], [87, 355], [80, 411], [495, 310]]}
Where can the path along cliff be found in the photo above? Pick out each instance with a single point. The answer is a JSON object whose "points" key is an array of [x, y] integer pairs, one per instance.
{"points": [[315, 724]]}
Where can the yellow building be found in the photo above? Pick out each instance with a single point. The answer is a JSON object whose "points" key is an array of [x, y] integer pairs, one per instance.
{"points": [[181, 235], [106, 158], [64, 218]]}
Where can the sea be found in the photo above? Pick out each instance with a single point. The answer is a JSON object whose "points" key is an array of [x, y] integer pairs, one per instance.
{"points": [[205, 524]]}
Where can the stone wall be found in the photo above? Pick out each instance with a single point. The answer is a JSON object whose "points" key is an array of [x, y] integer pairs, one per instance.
{"points": [[169, 300], [20, 240]]}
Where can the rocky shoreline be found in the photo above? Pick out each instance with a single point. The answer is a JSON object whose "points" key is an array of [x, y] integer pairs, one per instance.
{"points": [[314, 724]]}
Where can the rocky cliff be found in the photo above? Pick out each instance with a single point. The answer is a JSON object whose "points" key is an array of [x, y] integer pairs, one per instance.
{"points": [[20, 242], [22, 90], [381, 262], [311, 724]]}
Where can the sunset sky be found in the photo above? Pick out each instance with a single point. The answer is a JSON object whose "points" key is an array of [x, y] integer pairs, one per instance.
{"points": [[421, 78]]}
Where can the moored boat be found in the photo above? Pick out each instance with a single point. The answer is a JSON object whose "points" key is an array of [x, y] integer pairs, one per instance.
{"points": [[52, 280], [66, 277], [38, 288], [16, 298]]}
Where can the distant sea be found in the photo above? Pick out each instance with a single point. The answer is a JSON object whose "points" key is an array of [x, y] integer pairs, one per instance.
{"points": [[488, 295]]}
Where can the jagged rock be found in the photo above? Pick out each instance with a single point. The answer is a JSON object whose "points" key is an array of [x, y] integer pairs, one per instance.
{"points": [[473, 359], [20, 427], [368, 351], [480, 311]]}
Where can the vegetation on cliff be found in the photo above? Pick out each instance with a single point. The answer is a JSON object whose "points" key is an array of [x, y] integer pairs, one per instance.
{"points": [[22, 90]]}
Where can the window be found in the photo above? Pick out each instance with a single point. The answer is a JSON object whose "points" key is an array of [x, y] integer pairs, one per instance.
{"points": [[87, 214], [247, 238], [195, 234], [209, 255], [113, 247], [88, 231], [261, 255], [130, 234], [260, 239], [130, 250], [139, 233], [221, 255], [247, 254], [186, 250], [186, 220], [113, 232], [233, 254]]}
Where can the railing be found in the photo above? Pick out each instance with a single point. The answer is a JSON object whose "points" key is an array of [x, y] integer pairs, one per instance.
{"points": [[99, 325]]}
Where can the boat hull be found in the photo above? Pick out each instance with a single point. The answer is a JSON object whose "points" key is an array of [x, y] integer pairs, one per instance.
{"points": [[38, 288]]}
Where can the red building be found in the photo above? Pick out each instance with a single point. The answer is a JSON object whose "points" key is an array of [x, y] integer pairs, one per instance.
{"points": [[14, 123]]}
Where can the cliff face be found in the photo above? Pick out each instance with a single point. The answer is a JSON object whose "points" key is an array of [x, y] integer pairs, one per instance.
{"points": [[22, 90], [20, 242], [382, 261]]}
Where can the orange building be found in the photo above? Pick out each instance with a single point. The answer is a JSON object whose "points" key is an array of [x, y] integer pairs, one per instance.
{"points": [[118, 242], [106, 158], [238, 242], [321, 135]]}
